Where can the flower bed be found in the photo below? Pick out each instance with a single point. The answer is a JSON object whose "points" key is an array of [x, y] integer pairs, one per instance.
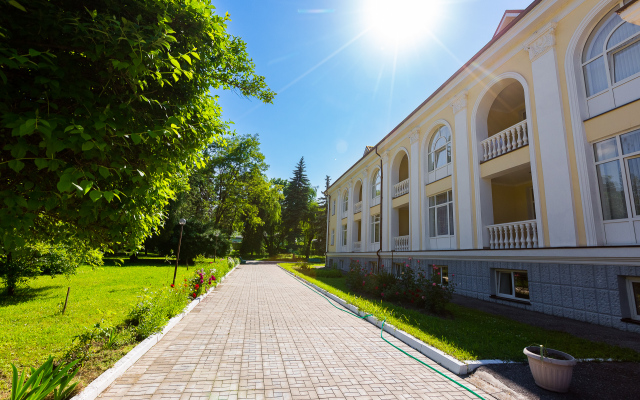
{"points": [[412, 288]]}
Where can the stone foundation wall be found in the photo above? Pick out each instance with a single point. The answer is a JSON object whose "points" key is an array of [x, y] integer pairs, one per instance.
{"points": [[591, 293]]}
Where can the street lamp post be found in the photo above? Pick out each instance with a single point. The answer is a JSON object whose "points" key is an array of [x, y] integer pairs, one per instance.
{"points": [[175, 272]]}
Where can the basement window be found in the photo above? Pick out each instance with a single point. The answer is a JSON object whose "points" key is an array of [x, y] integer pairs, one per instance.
{"points": [[512, 284], [633, 289]]}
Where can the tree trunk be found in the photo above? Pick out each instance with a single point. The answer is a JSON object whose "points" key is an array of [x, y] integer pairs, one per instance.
{"points": [[308, 247]]}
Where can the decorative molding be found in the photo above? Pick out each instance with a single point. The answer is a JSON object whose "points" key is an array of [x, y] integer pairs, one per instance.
{"points": [[460, 102], [415, 135], [541, 41], [385, 157]]}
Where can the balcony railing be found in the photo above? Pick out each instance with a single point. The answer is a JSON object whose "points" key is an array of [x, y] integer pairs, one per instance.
{"points": [[503, 142], [375, 201], [401, 243], [400, 189], [357, 207], [357, 246], [514, 235]]}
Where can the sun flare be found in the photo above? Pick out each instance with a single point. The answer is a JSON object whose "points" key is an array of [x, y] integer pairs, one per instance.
{"points": [[401, 22]]}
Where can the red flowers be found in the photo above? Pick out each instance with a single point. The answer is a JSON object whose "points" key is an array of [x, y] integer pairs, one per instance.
{"points": [[382, 294], [194, 295], [172, 285], [434, 283], [197, 286]]}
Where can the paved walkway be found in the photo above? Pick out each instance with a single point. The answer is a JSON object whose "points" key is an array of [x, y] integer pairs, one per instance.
{"points": [[263, 335]]}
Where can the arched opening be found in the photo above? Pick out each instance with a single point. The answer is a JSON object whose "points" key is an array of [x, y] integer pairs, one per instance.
{"points": [[400, 174], [611, 63], [357, 216], [400, 204], [507, 197], [438, 154]]}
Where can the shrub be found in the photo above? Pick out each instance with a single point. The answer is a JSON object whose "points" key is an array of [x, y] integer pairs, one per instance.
{"points": [[40, 258], [437, 295], [416, 289], [151, 314]]}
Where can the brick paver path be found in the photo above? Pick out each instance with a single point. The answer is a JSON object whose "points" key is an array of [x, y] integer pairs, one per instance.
{"points": [[262, 334]]}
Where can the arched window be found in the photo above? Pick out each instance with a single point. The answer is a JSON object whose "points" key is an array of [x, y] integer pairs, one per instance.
{"points": [[375, 185], [440, 149], [345, 201], [611, 54]]}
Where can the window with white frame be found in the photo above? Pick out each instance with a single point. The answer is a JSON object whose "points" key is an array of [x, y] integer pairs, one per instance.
{"points": [[618, 170], [344, 234], [375, 228], [611, 54], [376, 185], [441, 215], [512, 284], [398, 269], [440, 149], [333, 236], [443, 273], [633, 290], [333, 209], [374, 267], [345, 201]]}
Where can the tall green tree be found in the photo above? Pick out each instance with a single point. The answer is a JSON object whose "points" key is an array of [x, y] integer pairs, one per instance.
{"points": [[225, 195], [105, 110], [263, 233], [297, 196]]}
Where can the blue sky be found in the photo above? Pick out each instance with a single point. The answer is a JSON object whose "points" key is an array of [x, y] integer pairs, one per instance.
{"points": [[343, 78]]}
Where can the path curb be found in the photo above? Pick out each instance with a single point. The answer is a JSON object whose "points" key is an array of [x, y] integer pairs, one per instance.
{"points": [[450, 363], [98, 385]]}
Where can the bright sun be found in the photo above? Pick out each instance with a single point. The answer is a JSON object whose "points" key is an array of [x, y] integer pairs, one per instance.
{"points": [[402, 22]]}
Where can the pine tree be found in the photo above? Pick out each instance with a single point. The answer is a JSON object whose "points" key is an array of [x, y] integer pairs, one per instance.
{"points": [[321, 218], [297, 197]]}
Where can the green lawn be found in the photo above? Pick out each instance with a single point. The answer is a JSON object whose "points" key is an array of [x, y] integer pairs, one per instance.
{"points": [[32, 327], [470, 334]]}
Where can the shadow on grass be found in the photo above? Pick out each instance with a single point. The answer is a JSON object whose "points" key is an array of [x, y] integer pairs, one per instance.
{"points": [[24, 294]]}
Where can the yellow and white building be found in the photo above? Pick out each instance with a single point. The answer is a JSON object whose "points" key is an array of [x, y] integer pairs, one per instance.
{"points": [[520, 174]]}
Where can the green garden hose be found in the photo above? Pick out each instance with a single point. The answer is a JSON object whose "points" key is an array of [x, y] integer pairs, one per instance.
{"points": [[394, 346], [427, 365]]}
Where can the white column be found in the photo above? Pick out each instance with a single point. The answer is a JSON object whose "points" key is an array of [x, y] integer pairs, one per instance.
{"points": [[385, 207], [414, 191], [350, 218], [551, 134], [462, 176], [364, 223]]}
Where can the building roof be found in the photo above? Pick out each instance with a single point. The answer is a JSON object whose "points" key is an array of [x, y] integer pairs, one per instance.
{"points": [[458, 72], [507, 18]]}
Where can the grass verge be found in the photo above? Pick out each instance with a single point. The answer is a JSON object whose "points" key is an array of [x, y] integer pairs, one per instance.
{"points": [[471, 334], [34, 328]]}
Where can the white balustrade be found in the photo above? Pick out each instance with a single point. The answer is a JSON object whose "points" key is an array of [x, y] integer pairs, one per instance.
{"points": [[357, 246], [401, 243], [514, 235], [375, 201], [400, 189], [503, 142], [357, 207]]}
